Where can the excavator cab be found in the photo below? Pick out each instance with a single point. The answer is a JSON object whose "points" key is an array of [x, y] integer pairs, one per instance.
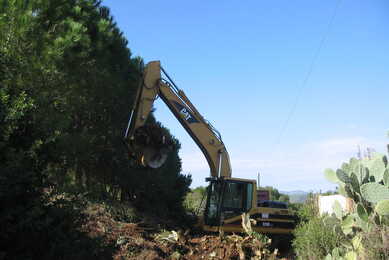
{"points": [[226, 199], [229, 198]]}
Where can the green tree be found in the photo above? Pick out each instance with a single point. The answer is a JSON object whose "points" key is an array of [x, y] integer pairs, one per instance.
{"points": [[276, 195], [67, 80]]}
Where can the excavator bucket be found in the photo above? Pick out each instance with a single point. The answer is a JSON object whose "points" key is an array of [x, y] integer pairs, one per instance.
{"points": [[154, 157], [150, 146]]}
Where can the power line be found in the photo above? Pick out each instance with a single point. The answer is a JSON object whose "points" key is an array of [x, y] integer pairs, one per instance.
{"points": [[309, 72]]}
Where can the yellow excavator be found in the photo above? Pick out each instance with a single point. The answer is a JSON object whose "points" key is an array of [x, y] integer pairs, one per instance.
{"points": [[227, 197]]}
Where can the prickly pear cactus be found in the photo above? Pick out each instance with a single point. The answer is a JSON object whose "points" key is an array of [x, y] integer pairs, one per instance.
{"points": [[366, 182]]}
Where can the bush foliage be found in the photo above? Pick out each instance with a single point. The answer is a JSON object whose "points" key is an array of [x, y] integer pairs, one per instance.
{"points": [[315, 239]]}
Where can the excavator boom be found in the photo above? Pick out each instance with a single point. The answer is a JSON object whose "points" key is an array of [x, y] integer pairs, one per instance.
{"points": [[201, 131]]}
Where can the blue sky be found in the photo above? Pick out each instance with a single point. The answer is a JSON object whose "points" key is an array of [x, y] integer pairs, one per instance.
{"points": [[244, 63]]}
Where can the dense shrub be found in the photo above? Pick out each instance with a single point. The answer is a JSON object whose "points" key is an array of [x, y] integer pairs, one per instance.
{"points": [[50, 229], [315, 239], [195, 200], [307, 210], [376, 243]]}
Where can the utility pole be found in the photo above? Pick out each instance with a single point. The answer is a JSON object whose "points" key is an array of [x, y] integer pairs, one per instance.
{"points": [[258, 180]]}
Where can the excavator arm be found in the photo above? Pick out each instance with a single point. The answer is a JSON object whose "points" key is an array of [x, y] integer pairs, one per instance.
{"points": [[202, 132]]}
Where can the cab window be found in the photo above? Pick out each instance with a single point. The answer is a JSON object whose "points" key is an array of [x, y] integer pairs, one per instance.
{"points": [[234, 196], [237, 198]]}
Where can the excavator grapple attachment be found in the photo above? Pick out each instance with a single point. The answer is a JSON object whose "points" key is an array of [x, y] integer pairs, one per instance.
{"points": [[153, 157], [149, 146]]}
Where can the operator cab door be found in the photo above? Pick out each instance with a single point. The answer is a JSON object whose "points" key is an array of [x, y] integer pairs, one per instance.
{"points": [[227, 199], [237, 199]]}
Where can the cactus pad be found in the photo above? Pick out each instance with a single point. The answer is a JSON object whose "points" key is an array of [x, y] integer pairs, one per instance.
{"points": [[362, 214], [331, 175], [382, 208], [374, 192]]}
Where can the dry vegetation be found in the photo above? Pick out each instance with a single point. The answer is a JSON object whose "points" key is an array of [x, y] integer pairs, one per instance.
{"points": [[146, 240]]}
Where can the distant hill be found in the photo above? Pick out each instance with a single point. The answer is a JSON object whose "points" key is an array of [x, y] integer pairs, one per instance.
{"points": [[297, 196]]}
